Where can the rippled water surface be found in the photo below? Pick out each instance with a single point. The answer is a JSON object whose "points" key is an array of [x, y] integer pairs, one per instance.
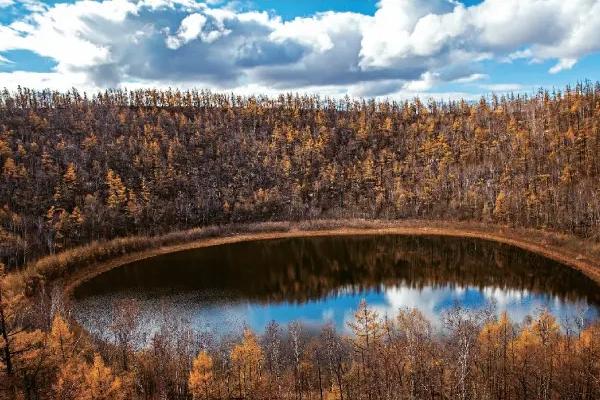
{"points": [[323, 279]]}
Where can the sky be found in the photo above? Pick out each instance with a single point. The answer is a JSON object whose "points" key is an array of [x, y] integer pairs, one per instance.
{"points": [[443, 49]]}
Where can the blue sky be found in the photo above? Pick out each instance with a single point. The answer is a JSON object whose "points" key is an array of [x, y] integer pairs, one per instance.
{"points": [[292, 9], [373, 48], [289, 9]]}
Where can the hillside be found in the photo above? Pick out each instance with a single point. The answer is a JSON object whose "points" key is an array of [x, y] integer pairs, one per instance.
{"points": [[77, 167]]}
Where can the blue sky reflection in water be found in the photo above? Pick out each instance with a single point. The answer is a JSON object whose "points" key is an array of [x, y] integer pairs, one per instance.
{"points": [[320, 280], [339, 309]]}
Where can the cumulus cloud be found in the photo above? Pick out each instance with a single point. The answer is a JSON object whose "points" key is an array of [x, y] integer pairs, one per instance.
{"points": [[407, 46], [505, 29], [194, 27]]}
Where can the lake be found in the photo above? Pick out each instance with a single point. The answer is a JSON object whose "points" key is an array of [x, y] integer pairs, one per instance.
{"points": [[322, 280]]}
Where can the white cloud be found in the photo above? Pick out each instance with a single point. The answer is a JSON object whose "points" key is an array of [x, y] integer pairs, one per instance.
{"points": [[563, 63], [193, 27], [408, 46], [7, 36], [313, 32], [6, 3], [69, 33], [509, 29], [471, 78], [427, 81]]}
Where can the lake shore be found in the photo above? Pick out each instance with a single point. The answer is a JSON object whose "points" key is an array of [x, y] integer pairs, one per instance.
{"points": [[539, 244], [75, 266]]}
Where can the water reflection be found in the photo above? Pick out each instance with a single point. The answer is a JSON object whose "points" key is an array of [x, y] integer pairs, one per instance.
{"points": [[318, 280]]}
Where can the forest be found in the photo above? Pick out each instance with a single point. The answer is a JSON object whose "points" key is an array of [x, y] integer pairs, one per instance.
{"points": [[81, 169], [477, 355], [77, 169]]}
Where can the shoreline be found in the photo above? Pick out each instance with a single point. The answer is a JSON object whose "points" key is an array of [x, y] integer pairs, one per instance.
{"points": [[526, 240]]}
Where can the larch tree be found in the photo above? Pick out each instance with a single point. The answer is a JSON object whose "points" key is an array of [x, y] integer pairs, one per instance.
{"points": [[201, 377], [247, 362]]}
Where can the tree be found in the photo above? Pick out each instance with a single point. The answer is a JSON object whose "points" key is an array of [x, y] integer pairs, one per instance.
{"points": [[587, 355], [67, 384], [247, 360], [7, 315], [62, 343], [273, 356], [535, 350], [99, 383], [495, 356], [464, 328], [367, 330], [413, 351], [21, 350], [117, 192], [66, 353], [68, 187], [19, 346], [501, 207], [201, 376]]}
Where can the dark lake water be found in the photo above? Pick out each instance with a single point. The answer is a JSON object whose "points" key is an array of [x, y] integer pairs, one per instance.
{"points": [[323, 279]]}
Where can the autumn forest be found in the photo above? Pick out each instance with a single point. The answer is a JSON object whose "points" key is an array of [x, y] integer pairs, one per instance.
{"points": [[78, 168], [83, 169]]}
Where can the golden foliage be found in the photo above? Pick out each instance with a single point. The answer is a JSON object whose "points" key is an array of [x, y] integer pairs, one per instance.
{"points": [[201, 376], [99, 383], [247, 359]]}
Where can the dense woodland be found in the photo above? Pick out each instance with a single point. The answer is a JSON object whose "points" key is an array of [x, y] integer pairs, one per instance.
{"points": [[78, 168]]}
